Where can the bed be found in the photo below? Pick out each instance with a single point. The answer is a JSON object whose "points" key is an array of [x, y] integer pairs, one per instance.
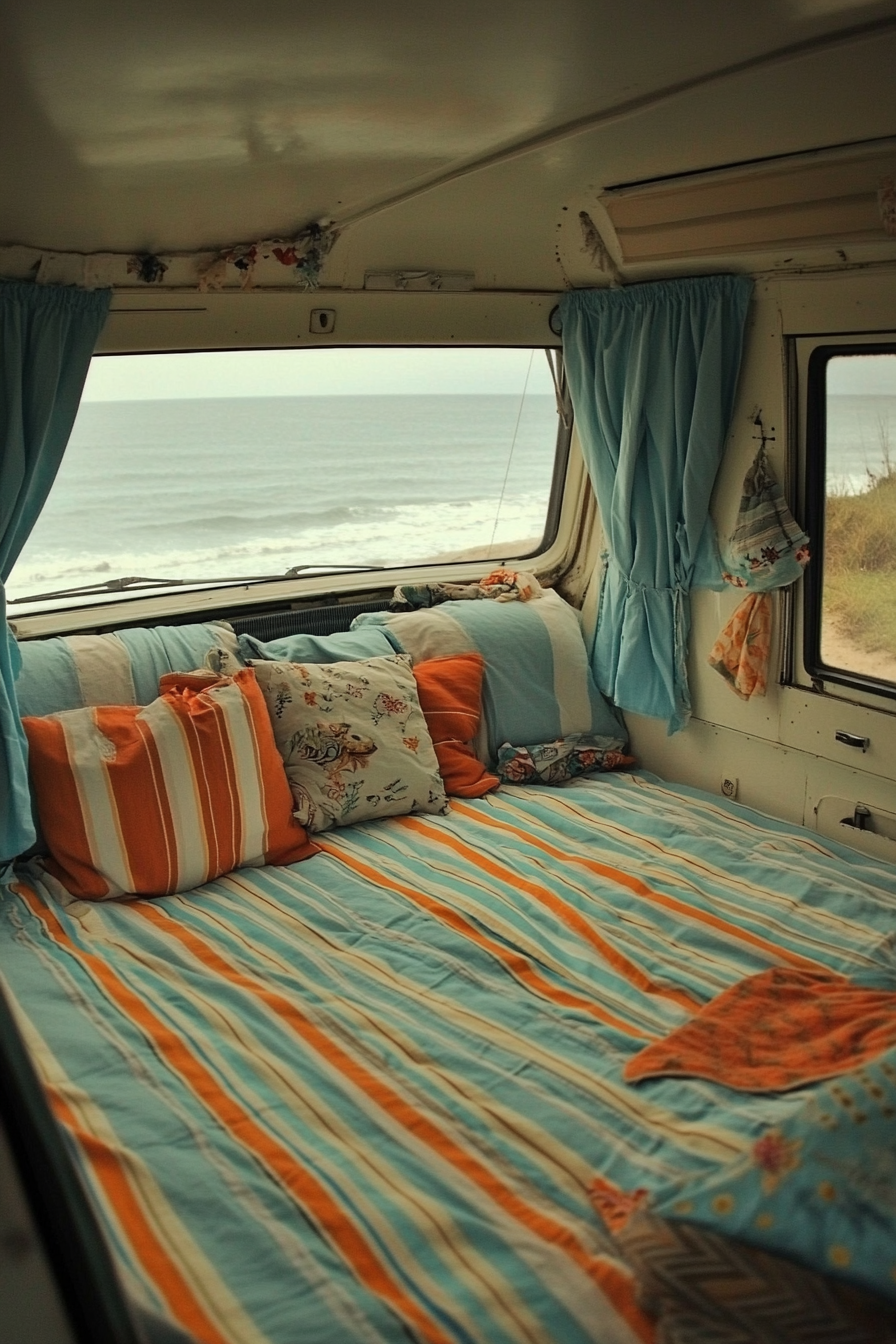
{"points": [[378, 1094], [363, 1097]]}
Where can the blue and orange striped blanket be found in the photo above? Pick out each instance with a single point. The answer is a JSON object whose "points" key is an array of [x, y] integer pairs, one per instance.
{"points": [[362, 1099]]}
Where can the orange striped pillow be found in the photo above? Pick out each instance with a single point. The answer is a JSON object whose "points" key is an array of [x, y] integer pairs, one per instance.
{"points": [[153, 800]]}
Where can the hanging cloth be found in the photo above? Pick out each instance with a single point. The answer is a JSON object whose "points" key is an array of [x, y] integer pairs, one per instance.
{"points": [[767, 549], [741, 651], [652, 370], [47, 335]]}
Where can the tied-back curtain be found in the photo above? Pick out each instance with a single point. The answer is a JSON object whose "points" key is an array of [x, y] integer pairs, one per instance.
{"points": [[47, 336], [652, 370]]}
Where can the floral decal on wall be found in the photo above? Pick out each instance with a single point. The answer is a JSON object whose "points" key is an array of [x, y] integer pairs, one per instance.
{"points": [[148, 268], [302, 255], [305, 255]]}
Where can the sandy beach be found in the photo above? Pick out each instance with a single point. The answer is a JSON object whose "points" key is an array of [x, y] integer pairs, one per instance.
{"points": [[839, 651]]}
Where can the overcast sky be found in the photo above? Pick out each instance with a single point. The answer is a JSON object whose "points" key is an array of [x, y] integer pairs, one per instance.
{"points": [[868, 375], [367, 372], [303, 373]]}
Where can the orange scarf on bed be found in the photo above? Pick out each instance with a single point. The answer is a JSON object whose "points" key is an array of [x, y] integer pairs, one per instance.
{"points": [[776, 1030]]}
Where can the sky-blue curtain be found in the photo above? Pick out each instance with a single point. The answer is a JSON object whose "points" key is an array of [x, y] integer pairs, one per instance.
{"points": [[47, 336], [652, 370]]}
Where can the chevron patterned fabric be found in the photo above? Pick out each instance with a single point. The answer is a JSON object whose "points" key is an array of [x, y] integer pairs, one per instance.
{"points": [[706, 1288]]}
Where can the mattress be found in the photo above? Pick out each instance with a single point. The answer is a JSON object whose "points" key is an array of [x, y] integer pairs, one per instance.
{"points": [[362, 1098]]}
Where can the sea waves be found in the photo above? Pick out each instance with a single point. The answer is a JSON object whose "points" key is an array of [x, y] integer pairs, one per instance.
{"points": [[404, 535], [226, 489]]}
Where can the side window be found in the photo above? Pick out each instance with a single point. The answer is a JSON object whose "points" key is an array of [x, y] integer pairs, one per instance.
{"points": [[207, 468], [850, 618]]}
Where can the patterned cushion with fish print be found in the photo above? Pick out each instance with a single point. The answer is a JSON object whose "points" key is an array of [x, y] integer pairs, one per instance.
{"points": [[353, 740], [819, 1186]]}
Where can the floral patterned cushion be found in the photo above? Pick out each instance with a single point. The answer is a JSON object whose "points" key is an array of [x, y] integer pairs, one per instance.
{"points": [[353, 740], [555, 762], [819, 1186]]}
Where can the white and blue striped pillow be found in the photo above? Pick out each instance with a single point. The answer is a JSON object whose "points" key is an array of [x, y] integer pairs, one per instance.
{"points": [[537, 686], [71, 672]]}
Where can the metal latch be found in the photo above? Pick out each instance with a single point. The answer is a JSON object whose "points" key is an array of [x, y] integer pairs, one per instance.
{"points": [[852, 739]]}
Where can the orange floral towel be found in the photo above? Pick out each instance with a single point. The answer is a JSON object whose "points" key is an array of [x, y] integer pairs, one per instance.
{"points": [[742, 649], [776, 1030]]}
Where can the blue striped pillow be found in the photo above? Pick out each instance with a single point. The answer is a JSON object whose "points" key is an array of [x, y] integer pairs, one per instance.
{"points": [[537, 686], [124, 668]]}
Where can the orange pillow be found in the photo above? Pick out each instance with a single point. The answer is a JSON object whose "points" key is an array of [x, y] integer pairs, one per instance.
{"points": [[450, 691], [153, 800]]}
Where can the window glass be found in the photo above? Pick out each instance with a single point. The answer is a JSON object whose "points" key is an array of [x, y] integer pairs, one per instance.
{"points": [[857, 609], [229, 464]]}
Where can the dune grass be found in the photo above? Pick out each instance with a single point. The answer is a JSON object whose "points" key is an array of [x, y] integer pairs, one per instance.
{"points": [[860, 562]]}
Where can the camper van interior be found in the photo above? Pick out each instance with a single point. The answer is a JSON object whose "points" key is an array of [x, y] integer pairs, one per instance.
{"points": [[448, 683]]}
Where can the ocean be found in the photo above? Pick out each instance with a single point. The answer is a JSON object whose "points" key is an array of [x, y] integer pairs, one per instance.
{"points": [[861, 440], [247, 486], [255, 485]]}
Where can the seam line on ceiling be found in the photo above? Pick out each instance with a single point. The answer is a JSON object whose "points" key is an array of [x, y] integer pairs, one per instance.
{"points": [[631, 107]]}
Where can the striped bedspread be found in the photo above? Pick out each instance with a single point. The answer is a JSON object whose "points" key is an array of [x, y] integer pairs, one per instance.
{"points": [[362, 1098]]}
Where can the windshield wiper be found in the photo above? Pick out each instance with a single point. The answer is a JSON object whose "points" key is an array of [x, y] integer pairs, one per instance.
{"points": [[322, 569], [88, 590], [136, 583]]}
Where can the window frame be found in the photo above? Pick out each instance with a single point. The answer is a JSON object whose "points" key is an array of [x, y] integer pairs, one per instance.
{"points": [[113, 608], [815, 460]]}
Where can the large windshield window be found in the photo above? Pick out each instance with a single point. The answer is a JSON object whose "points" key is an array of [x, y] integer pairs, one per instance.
{"points": [[243, 463]]}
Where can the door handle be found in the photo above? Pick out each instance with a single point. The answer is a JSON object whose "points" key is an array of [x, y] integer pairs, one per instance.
{"points": [[852, 739]]}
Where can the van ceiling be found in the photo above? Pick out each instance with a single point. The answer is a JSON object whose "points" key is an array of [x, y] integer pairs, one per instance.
{"points": [[464, 136]]}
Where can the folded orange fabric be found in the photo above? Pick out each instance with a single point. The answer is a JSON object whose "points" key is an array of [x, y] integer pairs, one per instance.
{"points": [[776, 1030], [450, 691]]}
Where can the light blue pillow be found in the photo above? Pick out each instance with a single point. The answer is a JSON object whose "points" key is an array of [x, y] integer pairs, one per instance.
{"points": [[172, 648], [115, 669], [346, 646], [537, 685], [48, 678], [819, 1187]]}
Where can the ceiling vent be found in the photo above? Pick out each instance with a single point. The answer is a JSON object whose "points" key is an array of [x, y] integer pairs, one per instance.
{"points": [[803, 200]]}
